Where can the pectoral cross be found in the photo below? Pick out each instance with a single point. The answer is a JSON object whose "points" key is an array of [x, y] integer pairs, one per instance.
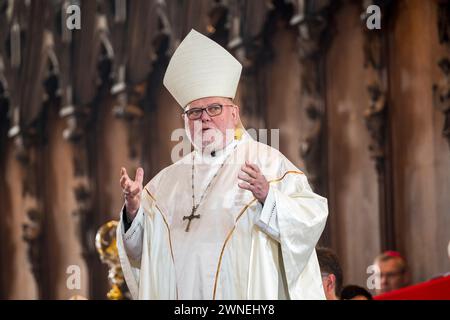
{"points": [[192, 216]]}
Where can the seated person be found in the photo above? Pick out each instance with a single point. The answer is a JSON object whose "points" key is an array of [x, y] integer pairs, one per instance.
{"points": [[394, 273], [352, 292], [331, 271]]}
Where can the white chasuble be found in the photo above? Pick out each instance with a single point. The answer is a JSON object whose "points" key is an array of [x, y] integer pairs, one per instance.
{"points": [[238, 248]]}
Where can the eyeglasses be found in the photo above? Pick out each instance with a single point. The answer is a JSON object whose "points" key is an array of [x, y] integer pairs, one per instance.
{"points": [[213, 110]]}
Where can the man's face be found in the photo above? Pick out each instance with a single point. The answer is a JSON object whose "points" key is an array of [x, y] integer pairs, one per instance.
{"points": [[392, 275], [212, 130]]}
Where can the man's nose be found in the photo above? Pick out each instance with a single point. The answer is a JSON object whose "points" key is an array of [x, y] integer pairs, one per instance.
{"points": [[205, 116]]}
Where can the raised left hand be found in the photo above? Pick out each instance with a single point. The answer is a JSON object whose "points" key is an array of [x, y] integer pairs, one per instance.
{"points": [[254, 181]]}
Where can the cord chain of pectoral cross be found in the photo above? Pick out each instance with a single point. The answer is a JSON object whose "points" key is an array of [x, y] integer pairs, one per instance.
{"points": [[195, 206]]}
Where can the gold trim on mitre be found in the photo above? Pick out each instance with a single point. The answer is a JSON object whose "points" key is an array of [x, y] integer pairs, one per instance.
{"points": [[201, 68]]}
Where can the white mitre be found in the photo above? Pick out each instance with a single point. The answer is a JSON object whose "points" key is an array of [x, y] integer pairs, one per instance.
{"points": [[201, 68]]}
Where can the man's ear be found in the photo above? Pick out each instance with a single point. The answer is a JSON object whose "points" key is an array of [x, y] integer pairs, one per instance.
{"points": [[235, 114], [331, 282]]}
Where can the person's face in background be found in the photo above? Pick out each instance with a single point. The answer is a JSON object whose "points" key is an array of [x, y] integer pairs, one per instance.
{"points": [[393, 275]]}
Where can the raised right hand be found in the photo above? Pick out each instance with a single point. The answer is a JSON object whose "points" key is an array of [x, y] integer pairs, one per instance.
{"points": [[132, 191]]}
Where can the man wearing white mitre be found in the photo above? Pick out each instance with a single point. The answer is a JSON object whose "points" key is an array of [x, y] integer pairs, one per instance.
{"points": [[234, 219]]}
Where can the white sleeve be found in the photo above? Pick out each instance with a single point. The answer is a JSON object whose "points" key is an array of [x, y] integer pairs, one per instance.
{"points": [[268, 219], [133, 237]]}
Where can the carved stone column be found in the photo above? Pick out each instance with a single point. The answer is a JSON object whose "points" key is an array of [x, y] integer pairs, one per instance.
{"points": [[441, 90], [30, 142], [250, 25], [314, 33], [26, 38], [141, 40], [377, 118], [82, 56], [312, 20]]}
